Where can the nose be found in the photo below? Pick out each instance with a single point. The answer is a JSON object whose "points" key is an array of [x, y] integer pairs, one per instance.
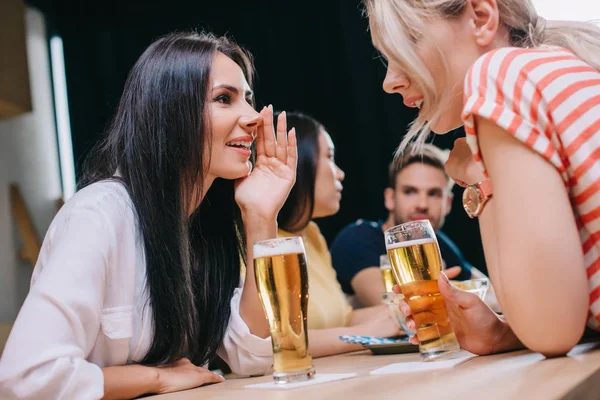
{"points": [[422, 203], [339, 174], [250, 120], [395, 81]]}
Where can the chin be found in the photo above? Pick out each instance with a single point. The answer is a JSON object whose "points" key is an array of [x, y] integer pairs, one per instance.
{"points": [[443, 127], [323, 212], [334, 209], [233, 172]]}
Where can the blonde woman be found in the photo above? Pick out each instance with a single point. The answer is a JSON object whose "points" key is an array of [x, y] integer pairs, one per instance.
{"points": [[528, 94]]}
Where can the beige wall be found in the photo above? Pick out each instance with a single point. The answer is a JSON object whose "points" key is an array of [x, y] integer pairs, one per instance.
{"points": [[28, 157]]}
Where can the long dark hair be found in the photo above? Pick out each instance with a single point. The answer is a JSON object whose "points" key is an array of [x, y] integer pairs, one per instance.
{"points": [[157, 146], [297, 211]]}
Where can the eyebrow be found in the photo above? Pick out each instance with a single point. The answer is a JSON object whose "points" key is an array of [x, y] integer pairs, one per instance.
{"points": [[233, 89], [430, 189]]}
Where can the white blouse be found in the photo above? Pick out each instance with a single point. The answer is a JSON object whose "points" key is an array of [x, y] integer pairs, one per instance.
{"points": [[87, 307]]}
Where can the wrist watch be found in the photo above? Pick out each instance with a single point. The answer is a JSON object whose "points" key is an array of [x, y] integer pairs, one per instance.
{"points": [[475, 196]]}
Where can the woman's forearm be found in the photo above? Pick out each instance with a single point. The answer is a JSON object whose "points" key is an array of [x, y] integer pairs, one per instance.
{"points": [[362, 315], [130, 381], [326, 342], [251, 310]]}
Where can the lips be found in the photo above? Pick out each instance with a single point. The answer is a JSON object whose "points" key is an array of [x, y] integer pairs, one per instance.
{"points": [[243, 142], [242, 145], [414, 102]]}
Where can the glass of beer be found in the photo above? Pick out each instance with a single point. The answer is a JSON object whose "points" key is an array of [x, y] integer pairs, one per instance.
{"points": [[416, 263], [282, 282], [386, 273]]}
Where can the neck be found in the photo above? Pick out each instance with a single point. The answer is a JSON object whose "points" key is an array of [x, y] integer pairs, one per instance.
{"points": [[388, 223], [299, 232]]}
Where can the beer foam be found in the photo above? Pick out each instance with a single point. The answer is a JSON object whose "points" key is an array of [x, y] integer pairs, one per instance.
{"points": [[282, 248], [409, 243]]}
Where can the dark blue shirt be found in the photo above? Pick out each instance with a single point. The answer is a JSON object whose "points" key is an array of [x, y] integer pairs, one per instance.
{"points": [[359, 245]]}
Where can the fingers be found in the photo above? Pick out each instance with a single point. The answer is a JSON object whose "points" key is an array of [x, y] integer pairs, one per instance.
{"points": [[396, 289], [410, 322], [206, 377], [210, 377], [260, 134], [281, 150], [404, 308], [460, 183], [270, 144], [292, 150], [453, 272], [455, 295]]}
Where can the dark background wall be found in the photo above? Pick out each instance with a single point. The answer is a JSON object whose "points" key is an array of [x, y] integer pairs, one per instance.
{"points": [[311, 56]]}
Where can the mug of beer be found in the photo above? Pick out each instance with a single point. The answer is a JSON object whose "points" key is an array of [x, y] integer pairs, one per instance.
{"points": [[416, 263], [386, 273], [282, 282]]}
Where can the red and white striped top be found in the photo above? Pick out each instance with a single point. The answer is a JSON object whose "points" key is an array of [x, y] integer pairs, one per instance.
{"points": [[549, 99]]}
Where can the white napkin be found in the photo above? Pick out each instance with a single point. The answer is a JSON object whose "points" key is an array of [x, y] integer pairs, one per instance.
{"points": [[420, 366], [317, 379]]}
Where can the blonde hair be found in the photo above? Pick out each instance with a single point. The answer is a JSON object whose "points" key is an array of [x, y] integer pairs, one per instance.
{"points": [[396, 24]]}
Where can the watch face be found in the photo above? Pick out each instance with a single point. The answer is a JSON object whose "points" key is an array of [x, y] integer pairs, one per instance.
{"points": [[471, 200]]}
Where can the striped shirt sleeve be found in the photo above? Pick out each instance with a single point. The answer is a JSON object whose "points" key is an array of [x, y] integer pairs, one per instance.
{"points": [[503, 87]]}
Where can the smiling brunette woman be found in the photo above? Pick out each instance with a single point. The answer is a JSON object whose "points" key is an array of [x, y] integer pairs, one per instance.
{"points": [[136, 285]]}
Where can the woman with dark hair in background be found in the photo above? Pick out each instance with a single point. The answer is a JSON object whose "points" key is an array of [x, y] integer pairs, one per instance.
{"points": [[316, 194], [137, 280]]}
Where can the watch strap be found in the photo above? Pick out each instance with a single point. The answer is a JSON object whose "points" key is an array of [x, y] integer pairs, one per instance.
{"points": [[486, 188]]}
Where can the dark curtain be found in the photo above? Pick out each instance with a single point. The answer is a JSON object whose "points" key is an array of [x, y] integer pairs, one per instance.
{"points": [[311, 56]]}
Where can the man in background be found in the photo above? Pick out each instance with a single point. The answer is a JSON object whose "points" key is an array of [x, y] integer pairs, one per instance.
{"points": [[419, 188]]}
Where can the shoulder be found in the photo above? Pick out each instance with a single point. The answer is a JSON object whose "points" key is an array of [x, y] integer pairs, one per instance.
{"points": [[108, 197], [315, 237], [357, 237], [104, 205], [444, 239], [360, 227], [102, 193], [92, 233], [501, 68], [452, 254], [526, 92]]}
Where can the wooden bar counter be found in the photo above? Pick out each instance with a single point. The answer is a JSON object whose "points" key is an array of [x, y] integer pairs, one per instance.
{"points": [[514, 375]]}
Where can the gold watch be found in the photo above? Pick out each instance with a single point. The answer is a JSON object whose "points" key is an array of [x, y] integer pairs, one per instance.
{"points": [[475, 196]]}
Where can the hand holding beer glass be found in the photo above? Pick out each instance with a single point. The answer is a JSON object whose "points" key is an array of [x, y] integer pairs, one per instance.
{"points": [[282, 281], [416, 263]]}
